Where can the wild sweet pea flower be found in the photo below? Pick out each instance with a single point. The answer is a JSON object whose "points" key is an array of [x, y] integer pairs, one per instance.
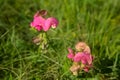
{"points": [[82, 58], [41, 23], [50, 22], [78, 57], [85, 59]]}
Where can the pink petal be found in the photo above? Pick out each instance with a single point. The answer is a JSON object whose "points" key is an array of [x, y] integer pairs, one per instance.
{"points": [[83, 60], [70, 55], [78, 57], [49, 23], [86, 59], [38, 27], [90, 59], [38, 23]]}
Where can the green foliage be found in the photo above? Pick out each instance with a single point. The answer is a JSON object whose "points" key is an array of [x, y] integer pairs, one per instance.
{"points": [[93, 21]]}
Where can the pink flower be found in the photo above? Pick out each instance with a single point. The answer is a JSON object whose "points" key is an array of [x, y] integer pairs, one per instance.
{"points": [[70, 54], [40, 23], [84, 58], [78, 57], [50, 22]]}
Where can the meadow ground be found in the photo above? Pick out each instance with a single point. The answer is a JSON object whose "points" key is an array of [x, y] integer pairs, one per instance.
{"points": [[96, 22]]}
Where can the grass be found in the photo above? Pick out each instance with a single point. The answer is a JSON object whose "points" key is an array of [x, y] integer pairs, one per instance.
{"points": [[94, 21]]}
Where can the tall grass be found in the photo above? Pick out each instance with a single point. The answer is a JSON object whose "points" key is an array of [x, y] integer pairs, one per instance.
{"points": [[97, 22]]}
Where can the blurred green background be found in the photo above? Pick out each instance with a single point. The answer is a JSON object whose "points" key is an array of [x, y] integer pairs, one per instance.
{"points": [[96, 22]]}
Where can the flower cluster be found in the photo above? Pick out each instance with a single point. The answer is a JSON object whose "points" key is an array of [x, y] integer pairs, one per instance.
{"points": [[41, 23], [82, 58]]}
